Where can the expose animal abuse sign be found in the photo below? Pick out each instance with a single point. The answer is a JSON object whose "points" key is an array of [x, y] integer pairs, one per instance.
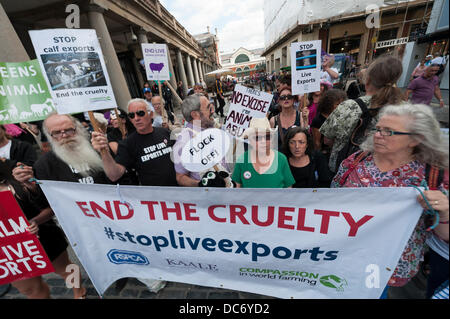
{"points": [[74, 68], [287, 243], [245, 104], [21, 253]]}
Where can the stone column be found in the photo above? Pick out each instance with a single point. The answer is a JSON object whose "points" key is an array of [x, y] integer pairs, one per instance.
{"points": [[200, 71], [196, 74], [173, 79], [118, 82], [12, 49], [182, 71], [189, 69]]}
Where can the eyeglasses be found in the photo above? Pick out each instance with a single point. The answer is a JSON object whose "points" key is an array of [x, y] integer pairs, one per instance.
{"points": [[58, 134], [286, 97], [385, 132], [138, 113], [258, 138]]}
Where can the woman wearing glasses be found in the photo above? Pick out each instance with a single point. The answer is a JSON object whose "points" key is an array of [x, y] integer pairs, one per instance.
{"points": [[261, 166], [288, 116], [405, 143]]}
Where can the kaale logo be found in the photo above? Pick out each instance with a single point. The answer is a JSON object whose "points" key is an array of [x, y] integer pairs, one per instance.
{"points": [[126, 257], [332, 281]]}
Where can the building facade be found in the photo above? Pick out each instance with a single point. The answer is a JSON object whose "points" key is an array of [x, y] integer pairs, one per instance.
{"points": [[121, 26], [349, 27], [244, 62]]}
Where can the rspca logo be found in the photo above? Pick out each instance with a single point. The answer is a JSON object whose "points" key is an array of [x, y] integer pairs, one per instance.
{"points": [[126, 257]]}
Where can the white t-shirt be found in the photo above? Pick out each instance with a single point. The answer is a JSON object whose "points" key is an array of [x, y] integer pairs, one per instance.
{"points": [[5, 151], [326, 76]]}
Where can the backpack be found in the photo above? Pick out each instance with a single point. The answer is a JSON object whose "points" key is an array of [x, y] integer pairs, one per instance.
{"points": [[358, 134]]}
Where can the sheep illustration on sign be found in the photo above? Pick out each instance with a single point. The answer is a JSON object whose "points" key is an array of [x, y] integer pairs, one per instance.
{"points": [[156, 67]]}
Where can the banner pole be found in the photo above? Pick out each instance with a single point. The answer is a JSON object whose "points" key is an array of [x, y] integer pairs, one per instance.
{"points": [[95, 126]]}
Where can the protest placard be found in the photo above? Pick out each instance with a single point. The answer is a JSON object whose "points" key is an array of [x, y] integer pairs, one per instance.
{"points": [[24, 95], [305, 66], [245, 104], [205, 150], [287, 243], [21, 253], [74, 69], [156, 62]]}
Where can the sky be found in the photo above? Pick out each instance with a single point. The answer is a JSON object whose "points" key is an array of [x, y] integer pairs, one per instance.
{"points": [[239, 23]]}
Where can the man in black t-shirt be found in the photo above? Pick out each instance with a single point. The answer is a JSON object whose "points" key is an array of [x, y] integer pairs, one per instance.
{"points": [[147, 150]]}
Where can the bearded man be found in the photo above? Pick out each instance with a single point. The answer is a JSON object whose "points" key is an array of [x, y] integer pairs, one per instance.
{"points": [[72, 158]]}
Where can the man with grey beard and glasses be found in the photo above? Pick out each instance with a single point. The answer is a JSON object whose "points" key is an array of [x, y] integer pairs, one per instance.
{"points": [[72, 158]]}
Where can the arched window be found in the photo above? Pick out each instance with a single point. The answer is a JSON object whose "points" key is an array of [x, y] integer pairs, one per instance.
{"points": [[238, 70], [241, 58]]}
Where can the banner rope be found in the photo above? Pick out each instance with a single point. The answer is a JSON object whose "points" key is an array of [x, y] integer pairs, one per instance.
{"points": [[430, 210]]}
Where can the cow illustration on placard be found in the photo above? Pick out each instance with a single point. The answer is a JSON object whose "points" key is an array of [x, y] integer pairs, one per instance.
{"points": [[156, 67]]}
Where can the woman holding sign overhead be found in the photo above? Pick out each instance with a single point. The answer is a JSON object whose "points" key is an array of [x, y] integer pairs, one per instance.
{"points": [[261, 166]]}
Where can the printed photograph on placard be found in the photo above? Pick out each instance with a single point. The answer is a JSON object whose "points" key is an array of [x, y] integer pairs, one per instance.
{"points": [[73, 70], [306, 59]]}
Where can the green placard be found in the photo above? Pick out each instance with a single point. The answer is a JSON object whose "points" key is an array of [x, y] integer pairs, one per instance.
{"points": [[24, 95]]}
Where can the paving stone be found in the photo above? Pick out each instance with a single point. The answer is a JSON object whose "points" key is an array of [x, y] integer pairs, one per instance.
{"points": [[172, 294], [197, 295], [223, 295], [130, 293], [145, 294]]}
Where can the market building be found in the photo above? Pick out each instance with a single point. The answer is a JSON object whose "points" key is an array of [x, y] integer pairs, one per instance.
{"points": [[244, 62], [121, 26], [348, 27]]}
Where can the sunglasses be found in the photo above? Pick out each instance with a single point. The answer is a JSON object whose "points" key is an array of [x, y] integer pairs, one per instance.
{"points": [[286, 97], [138, 113], [258, 138]]}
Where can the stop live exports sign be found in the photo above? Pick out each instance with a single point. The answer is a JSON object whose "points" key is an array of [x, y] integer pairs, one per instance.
{"points": [[21, 253]]}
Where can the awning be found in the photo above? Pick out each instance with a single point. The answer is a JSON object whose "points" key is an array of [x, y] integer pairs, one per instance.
{"points": [[431, 37]]}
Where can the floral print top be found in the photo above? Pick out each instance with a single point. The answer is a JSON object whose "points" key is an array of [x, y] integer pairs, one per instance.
{"points": [[367, 174]]}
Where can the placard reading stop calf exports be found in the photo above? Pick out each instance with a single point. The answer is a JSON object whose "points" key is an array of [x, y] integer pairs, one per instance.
{"points": [[299, 243], [73, 65]]}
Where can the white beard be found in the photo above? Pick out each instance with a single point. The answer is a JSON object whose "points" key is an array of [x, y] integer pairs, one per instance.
{"points": [[79, 155]]}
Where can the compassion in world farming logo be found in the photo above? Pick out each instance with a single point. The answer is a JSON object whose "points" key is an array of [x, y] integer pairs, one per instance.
{"points": [[333, 281]]}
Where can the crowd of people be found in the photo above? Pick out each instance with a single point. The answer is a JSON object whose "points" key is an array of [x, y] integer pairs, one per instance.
{"points": [[323, 139]]}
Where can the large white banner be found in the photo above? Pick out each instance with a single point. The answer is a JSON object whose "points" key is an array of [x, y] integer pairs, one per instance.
{"points": [[288, 243], [246, 103], [73, 66]]}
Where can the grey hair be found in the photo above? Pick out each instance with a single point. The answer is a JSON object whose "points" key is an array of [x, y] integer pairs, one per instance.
{"points": [[78, 126], [144, 102], [190, 104], [433, 149]]}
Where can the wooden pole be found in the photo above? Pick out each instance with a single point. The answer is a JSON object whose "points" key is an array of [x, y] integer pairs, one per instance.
{"points": [[174, 92], [96, 126]]}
